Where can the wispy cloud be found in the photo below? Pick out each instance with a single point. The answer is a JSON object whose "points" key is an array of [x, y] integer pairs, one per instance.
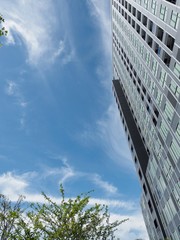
{"points": [[64, 173], [101, 13], [104, 184], [13, 185], [134, 228], [13, 90], [35, 24], [67, 172], [112, 136], [108, 133], [108, 130]]}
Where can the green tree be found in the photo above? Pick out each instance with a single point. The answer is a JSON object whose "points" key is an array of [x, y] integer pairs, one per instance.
{"points": [[3, 31], [9, 217], [72, 219]]}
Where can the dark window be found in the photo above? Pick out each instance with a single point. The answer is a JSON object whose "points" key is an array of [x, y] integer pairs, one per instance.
{"points": [[144, 20], [140, 174], [154, 121], [151, 26], [166, 59], [139, 15], [144, 188], [125, 4], [172, 1], [156, 111], [133, 23], [159, 33], [178, 55], [122, 12], [157, 49], [129, 19], [144, 90], [143, 34], [139, 81], [134, 11], [149, 98], [155, 224], [137, 28], [149, 41], [131, 148], [150, 206], [169, 41], [125, 15]]}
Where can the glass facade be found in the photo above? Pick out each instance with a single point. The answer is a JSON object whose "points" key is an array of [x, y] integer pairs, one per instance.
{"points": [[146, 79]]}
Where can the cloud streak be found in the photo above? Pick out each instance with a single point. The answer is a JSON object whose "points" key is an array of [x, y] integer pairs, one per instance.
{"points": [[13, 185], [35, 25], [106, 186], [13, 90]]}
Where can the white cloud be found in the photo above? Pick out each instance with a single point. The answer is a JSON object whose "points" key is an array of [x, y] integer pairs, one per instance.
{"points": [[101, 13], [112, 136], [134, 228], [59, 50], [36, 25], [64, 173], [12, 184], [13, 90], [109, 188], [109, 131]]}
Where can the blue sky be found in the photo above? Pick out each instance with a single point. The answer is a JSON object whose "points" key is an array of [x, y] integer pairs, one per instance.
{"points": [[58, 118]]}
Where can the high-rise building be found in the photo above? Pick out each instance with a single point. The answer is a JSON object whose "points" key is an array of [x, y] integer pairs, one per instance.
{"points": [[146, 84]]}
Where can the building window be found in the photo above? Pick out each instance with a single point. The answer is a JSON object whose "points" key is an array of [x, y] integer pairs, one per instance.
{"points": [[177, 69], [154, 67], [174, 21], [150, 206], [162, 78], [175, 150], [168, 111], [155, 224], [169, 210], [174, 88], [159, 33], [169, 42], [166, 59], [178, 131], [164, 129], [168, 169], [176, 192], [163, 12], [140, 174], [144, 20], [146, 3], [153, 6], [145, 190]]}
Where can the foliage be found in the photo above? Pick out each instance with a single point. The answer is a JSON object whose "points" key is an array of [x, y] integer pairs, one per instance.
{"points": [[71, 219], [9, 217], [3, 31]]}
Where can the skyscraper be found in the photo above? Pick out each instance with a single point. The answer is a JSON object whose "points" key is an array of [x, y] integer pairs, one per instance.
{"points": [[146, 84]]}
